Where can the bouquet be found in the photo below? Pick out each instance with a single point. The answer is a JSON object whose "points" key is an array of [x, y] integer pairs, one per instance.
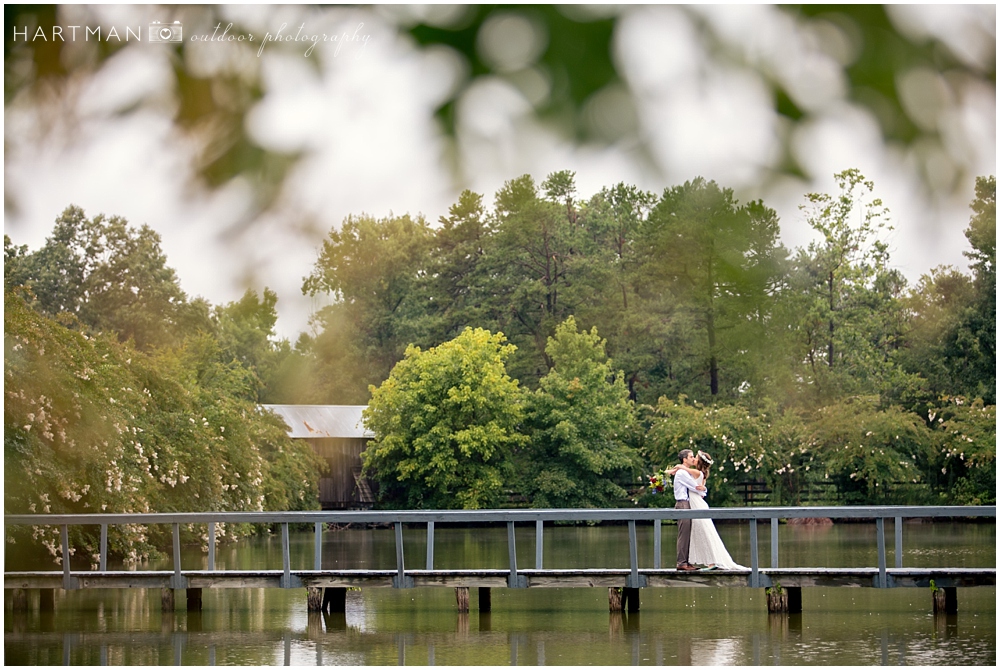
{"points": [[658, 482]]}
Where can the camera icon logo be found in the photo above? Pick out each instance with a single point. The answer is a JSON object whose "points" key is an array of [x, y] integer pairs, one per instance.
{"points": [[161, 32]]}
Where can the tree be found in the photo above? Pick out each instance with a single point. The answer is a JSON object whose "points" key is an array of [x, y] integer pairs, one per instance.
{"points": [[580, 419], [453, 291], [934, 309], [111, 276], [528, 262], [370, 267], [95, 425], [244, 330], [619, 301], [847, 298], [721, 261], [445, 423], [971, 349]]}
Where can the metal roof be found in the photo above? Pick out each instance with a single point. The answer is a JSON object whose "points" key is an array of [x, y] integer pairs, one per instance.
{"points": [[318, 421]]}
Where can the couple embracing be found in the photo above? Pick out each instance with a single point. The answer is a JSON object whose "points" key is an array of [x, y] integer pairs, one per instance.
{"points": [[698, 542]]}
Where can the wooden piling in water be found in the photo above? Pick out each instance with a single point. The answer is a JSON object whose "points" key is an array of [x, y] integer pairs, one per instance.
{"points": [[777, 600], [945, 600], [462, 598], [19, 600], [623, 599], [47, 600], [784, 600], [314, 599], [614, 599], [166, 600], [485, 599], [335, 600], [193, 600]]}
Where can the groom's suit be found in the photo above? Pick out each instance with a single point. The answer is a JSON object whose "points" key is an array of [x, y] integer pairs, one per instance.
{"points": [[684, 488]]}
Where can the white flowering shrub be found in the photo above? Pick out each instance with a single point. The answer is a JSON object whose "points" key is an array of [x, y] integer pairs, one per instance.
{"points": [[874, 455], [964, 466], [92, 425], [745, 445]]}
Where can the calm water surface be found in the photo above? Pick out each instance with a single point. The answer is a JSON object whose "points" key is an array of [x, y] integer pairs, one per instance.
{"points": [[677, 626]]}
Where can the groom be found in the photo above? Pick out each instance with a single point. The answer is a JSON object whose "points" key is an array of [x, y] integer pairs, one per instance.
{"points": [[684, 487]]}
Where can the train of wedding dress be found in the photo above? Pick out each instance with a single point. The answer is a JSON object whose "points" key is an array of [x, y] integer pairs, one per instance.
{"points": [[707, 547]]}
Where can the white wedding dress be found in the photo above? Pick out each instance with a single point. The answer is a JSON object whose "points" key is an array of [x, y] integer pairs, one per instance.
{"points": [[706, 545]]}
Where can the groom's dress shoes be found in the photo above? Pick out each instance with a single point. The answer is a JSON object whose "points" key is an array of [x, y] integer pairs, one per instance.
{"points": [[686, 567]]}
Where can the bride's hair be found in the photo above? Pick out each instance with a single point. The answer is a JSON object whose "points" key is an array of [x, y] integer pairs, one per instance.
{"points": [[704, 463]]}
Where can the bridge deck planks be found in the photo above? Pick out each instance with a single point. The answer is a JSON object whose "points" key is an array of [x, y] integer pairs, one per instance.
{"points": [[581, 578]]}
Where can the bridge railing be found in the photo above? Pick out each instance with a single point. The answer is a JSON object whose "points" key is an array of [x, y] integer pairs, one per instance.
{"points": [[753, 515]]}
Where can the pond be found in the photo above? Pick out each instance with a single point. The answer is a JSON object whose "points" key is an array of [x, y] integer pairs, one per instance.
{"points": [[676, 626]]}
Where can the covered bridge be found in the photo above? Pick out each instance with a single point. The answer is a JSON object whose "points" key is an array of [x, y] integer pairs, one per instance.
{"points": [[337, 435]]}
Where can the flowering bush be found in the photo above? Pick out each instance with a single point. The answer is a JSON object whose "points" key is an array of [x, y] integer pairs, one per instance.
{"points": [[92, 425]]}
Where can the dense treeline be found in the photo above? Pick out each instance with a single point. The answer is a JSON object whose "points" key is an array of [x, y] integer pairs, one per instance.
{"points": [[816, 369], [552, 347]]}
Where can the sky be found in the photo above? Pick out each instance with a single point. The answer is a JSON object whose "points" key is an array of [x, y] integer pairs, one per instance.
{"points": [[359, 111]]}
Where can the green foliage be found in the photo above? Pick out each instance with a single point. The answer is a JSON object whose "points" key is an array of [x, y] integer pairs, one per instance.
{"points": [[971, 349], [875, 455], [982, 231], [847, 298], [370, 267], [579, 420], [721, 261], [697, 300], [454, 288], [529, 259], [109, 275], [936, 306], [744, 445], [445, 423], [587, 100], [244, 327], [965, 465], [94, 425], [620, 301], [825, 370]]}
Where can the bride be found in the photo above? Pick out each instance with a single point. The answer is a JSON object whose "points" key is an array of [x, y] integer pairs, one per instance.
{"points": [[707, 547]]}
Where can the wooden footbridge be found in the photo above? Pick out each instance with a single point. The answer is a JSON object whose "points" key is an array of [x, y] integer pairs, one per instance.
{"points": [[623, 582]]}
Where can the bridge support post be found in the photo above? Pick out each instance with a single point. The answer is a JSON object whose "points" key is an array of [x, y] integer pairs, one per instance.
{"points": [[794, 599], [485, 599], [19, 600], [166, 600], [314, 599], [630, 600], [335, 599], [945, 600], [47, 600], [462, 599], [193, 600]]}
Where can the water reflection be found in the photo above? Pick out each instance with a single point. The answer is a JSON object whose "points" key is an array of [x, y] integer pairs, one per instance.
{"points": [[328, 641], [727, 651]]}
